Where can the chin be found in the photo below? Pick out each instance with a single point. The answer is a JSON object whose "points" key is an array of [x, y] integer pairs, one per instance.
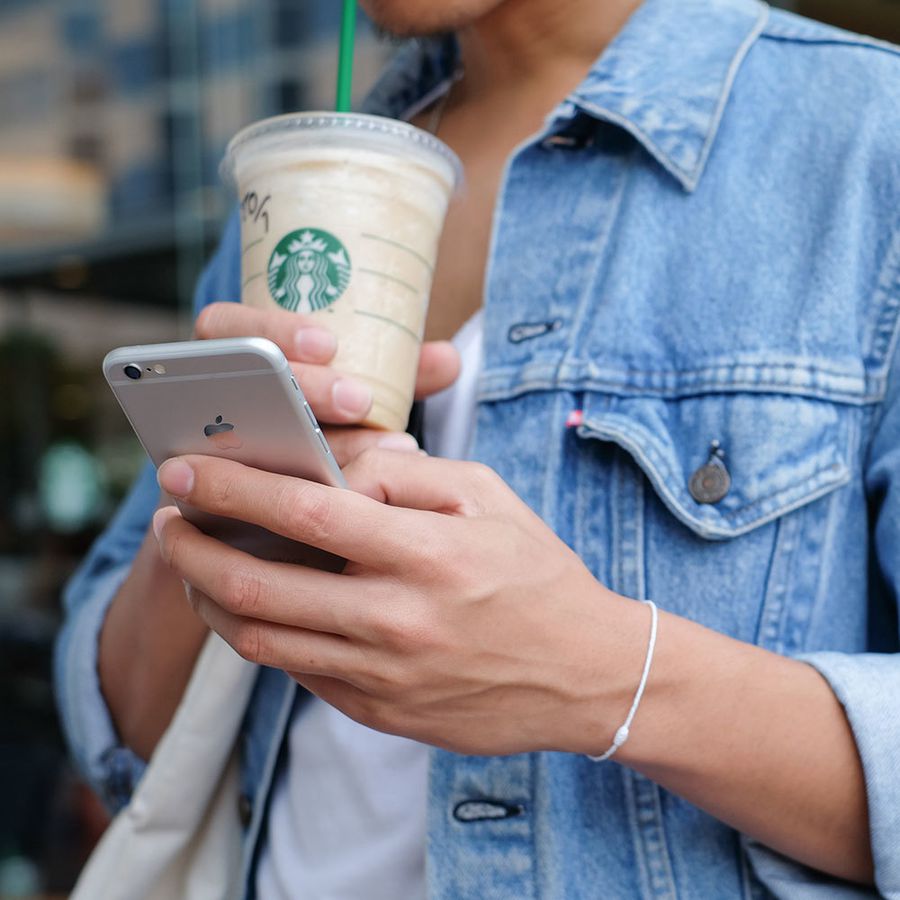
{"points": [[421, 18]]}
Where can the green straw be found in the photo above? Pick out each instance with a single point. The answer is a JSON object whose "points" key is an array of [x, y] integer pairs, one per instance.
{"points": [[345, 57]]}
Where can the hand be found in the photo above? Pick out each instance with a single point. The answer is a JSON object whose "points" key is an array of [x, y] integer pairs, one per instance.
{"points": [[335, 399], [461, 620]]}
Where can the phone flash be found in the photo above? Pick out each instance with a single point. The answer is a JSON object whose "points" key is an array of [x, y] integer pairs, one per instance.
{"points": [[160, 369]]}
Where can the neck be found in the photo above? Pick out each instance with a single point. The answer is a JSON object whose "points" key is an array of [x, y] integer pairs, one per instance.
{"points": [[530, 43]]}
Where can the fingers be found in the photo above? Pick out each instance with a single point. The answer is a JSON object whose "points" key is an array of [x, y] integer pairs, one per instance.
{"points": [[335, 520], [348, 443], [334, 398], [277, 646], [244, 586], [299, 337], [425, 483], [439, 365]]}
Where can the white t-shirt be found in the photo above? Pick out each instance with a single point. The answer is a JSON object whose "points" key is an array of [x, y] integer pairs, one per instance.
{"points": [[347, 819]]}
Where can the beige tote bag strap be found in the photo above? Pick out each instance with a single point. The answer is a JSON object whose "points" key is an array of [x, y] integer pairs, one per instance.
{"points": [[180, 836]]}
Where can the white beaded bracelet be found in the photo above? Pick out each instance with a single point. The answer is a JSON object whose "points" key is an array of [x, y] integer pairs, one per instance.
{"points": [[622, 734]]}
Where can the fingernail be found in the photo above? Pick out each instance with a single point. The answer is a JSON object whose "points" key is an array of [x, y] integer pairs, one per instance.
{"points": [[158, 518], [315, 345], [351, 397], [398, 440], [176, 477]]}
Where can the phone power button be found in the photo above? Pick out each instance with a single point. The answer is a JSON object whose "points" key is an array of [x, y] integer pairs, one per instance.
{"points": [[312, 416]]}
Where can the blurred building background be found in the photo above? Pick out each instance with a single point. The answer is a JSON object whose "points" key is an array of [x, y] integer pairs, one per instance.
{"points": [[114, 115]]}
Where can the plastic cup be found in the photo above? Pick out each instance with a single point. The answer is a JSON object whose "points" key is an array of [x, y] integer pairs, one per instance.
{"points": [[341, 215]]}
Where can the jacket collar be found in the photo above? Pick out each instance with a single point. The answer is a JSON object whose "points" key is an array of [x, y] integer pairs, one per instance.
{"points": [[666, 78]]}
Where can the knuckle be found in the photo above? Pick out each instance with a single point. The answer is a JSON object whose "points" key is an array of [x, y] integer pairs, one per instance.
{"points": [[369, 457], [222, 491], [304, 510], [407, 629], [482, 484], [173, 550], [345, 443], [421, 629], [375, 713], [399, 677], [390, 627], [398, 682], [249, 641], [431, 550], [483, 477], [244, 591], [360, 707]]}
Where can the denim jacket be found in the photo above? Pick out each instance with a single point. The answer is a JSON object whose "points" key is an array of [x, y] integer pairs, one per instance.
{"points": [[700, 254]]}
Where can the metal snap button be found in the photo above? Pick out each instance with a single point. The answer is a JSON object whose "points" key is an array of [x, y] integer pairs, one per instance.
{"points": [[712, 481]]}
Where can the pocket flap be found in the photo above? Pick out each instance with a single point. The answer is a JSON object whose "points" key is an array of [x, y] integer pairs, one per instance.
{"points": [[780, 451]]}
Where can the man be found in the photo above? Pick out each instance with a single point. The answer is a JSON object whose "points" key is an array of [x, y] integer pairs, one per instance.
{"points": [[680, 220]]}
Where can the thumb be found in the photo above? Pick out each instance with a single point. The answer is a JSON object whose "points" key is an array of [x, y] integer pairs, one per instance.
{"points": [[421, 482], [439, 366]]}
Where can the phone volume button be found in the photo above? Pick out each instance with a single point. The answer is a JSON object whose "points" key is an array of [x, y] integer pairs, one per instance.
{"points": [[294, 383], [312, 415], [322, 441]]}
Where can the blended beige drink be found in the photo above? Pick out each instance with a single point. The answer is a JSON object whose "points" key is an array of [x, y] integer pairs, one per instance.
{"points": [[341, 215]]}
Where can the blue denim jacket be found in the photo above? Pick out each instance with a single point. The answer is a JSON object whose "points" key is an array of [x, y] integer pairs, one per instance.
{"points": [[702, 245]]}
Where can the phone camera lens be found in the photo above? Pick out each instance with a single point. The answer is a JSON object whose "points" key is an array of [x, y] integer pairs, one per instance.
{"points": [[133, 372]]}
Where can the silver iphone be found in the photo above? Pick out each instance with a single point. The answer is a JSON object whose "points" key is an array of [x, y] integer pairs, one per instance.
{"points": [[234, 398]]}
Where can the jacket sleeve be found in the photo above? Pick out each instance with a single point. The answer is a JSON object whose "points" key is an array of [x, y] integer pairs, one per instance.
{"points": [[112, 769], [867, 684]]}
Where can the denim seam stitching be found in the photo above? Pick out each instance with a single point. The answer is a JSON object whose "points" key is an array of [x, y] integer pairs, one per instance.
{"points": [[773, 597], [811, 372], [852, 42], [727, 87], [488, 393], [551, 374], [889, 284], [580, 318], [884, 333]]}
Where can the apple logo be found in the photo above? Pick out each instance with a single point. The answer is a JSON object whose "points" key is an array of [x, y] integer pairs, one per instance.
{"points": [[222, 435]]}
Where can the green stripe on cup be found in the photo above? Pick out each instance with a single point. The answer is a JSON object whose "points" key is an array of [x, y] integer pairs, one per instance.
{"points": [[393, 278], [389, 321], [399, 246], [250, 246]]}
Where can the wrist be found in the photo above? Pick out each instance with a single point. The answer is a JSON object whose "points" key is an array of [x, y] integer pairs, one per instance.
{"points": [[695, 671], [623, 732], [613, 650]]}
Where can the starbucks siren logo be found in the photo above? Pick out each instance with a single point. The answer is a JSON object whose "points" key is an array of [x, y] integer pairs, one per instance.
{"points": [[309, 270]]}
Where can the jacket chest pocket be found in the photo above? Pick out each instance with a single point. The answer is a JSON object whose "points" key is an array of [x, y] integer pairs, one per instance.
{"points": [[717, 495]]}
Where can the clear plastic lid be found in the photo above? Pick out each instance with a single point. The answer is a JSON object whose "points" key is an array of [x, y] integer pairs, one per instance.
{"points": [[331, 129]]}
